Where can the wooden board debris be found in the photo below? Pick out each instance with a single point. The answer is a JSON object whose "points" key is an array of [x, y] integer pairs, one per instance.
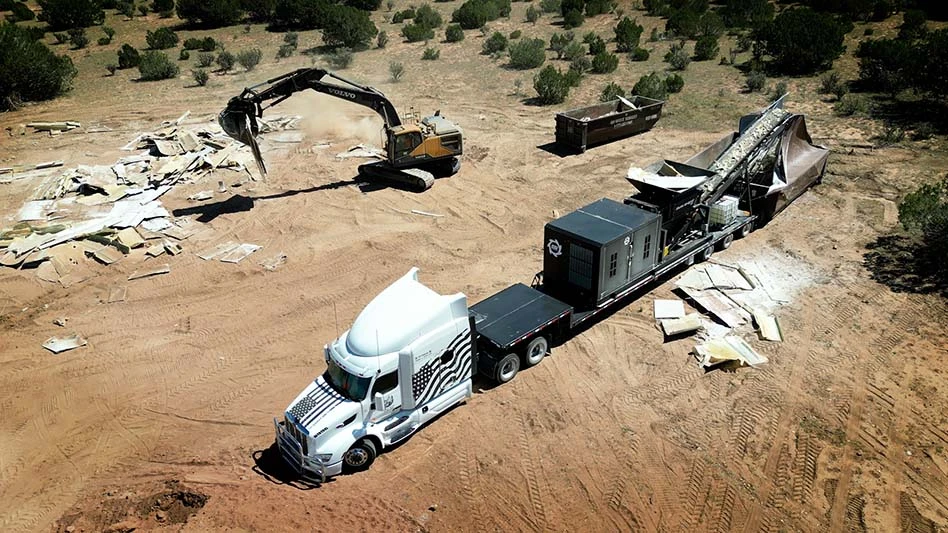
{"points": [[669, 309], [719, 306], [685, 324], [118, 293], [768, 326], [59, 345], [239, 253], [139, 274]]}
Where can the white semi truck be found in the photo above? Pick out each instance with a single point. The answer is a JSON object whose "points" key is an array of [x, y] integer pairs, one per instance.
{"points": [[412, 353]]}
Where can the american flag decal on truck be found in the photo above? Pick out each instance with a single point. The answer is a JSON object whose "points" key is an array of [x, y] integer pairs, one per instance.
{"points": [[319, 400], [435, 376]]}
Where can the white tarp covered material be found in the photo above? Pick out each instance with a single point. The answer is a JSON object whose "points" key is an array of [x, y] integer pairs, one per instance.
{"points": [[768, 326], [59, 345], [669, 309], [730, 348], [678, 182]]}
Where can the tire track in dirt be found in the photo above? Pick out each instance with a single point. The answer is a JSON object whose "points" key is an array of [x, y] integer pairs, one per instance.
{"points": [[616, 496], [537, 483], [911, 521]]}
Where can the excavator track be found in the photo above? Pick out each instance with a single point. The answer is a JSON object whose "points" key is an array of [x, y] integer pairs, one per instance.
{"points": [[415, 178]]}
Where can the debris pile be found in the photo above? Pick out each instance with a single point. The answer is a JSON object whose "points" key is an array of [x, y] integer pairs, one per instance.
{"points": [[105, 211], [738, 303]]}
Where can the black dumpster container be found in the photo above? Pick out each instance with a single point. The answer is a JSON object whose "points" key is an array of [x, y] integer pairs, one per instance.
{"points": [[584, 127]]}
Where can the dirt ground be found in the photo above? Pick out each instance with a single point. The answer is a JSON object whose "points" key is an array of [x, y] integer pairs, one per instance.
{"points": [[164, 420]]}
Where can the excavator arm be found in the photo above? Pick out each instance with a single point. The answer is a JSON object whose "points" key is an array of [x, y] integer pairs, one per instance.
{"points": [[239, 118]]}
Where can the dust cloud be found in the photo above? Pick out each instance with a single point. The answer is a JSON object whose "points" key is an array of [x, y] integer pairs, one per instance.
{"points": [[326, 118]]}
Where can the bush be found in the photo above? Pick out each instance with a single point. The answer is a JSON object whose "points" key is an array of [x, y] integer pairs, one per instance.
{"points": [[78, 38], [516, 34], [128, 57], [192, 43], [551, 86], [208, 44], [581, 64], [913, 25], [683, 23], [573, 19], [924, 215], [454, 33], [651, 86], [674, 83], [596, 7], [550, 6], [111, 67], [802, 41], [155, 65], [597, 46], [706, 48], [184, 55], [162, 6], [66, 14], [403, 15], [249, 58], [527, 54], [381, 40], [676, 57], [205, 59], [161, 39], [604, 63], [31, 71], [559, 41], [426, 16], [573, 76], [573, 50], [628, 34], [430, 54], [291, 38], [474, 14], [414, 33], [109, 32], [851, 104], [225, 60], [126, 8], [21, 12], [61, 37], [890, 65], [348, 27], [143, 9], [396, 70], [756, 81], [340, 58], [830, 82], [210, 13], [639, 54], [200, 76], [610, 92], [496, 43], [285, 50], [747, 13], [779, 90], [533, 14], [104, 41]]}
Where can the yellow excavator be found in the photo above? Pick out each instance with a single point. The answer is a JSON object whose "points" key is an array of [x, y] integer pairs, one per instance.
{"points": [[416, 151]]}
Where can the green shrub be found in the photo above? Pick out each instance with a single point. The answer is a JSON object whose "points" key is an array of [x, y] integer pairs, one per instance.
{"points": [[706, 48], [674, 83], [527, 53], [924, 214], [573, 19], [610, 92], [550, 6], [210, 13], [192, 43], [396, 70], [61, 37], [551, 86], [573, 76], [794, 55], [225, 60], [573, 50], [162, 6], [143, 9], [628, 34], [205, 59], [597, 46], [127, 8], [604, 63], [340, 58], [676, 57], [651, 86], [109, 32], [21, 13], [31, 71], [581, 64], [285, 50], [349, 27], [414, 33], [779, 90], [161, 39], [427, 16], [128, 57], [208, 44], [66, 14], [595, 8], [454, 33], [756, 81], [830, 82], [430, 54], [516, 34], [851, 104], [155, 65], [200, 76], [78, 38], [400, 16], [639, 54], [533, 14], [111, 67], [291, 38], [249, 58], [184, 55], [474, 14], [747, 13], [559, 41], [496, 43], [381, 40]]}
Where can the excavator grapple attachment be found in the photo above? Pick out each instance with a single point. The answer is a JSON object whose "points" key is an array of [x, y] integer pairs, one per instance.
{"points": [[239, 121]]}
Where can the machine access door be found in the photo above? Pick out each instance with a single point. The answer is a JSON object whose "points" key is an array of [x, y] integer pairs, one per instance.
{"points": [[642, 250]]}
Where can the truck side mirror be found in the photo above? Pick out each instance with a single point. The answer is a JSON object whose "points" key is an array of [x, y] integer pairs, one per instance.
{"points": [[377, 403]]}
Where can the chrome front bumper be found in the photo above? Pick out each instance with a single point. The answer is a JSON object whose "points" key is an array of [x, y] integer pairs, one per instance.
{"points": [[292, 453]]}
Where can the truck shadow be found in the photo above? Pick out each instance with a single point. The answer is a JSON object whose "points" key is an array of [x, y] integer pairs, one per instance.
{"points": [[269, 465]]}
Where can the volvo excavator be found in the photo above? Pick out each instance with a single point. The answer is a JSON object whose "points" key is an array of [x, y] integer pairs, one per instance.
{"points": [[416, 151]]}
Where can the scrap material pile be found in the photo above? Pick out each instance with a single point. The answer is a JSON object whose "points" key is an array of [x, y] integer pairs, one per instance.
{"points": [[105, 211]]}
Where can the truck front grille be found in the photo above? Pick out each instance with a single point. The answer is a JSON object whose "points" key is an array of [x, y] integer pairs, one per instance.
{"points": [[297, 435]]}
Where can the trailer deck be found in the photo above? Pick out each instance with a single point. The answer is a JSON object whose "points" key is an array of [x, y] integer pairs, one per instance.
{"points": [[515, 313]]}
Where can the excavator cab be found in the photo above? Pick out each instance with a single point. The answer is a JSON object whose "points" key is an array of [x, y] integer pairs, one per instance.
{"points": [[404, 143]]}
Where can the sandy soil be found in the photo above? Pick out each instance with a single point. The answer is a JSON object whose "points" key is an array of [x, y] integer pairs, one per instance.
{"points": [[164, 420]]}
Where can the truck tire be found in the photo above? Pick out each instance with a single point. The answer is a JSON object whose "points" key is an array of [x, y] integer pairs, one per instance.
{"points": [[746, 229], [507, 368], [705, 254], [360, 456], [536, 351], [725, 243]]}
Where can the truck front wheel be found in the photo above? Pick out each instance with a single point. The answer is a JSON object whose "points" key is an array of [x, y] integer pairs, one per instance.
{"points": [[507, 368], [360, 456], [536, 351]]}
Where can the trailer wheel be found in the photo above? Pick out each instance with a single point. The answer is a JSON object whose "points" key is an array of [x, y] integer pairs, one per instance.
{"points": [[705, 254], [746, 229], [507, 368], [360, 456], [536, 351], [725, 243]]}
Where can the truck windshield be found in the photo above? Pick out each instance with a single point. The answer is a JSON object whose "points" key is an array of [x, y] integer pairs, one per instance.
{"points": [[349, 385]]}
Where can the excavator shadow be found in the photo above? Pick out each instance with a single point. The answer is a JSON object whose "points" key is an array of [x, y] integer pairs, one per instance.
{"points": [[269, 465]]}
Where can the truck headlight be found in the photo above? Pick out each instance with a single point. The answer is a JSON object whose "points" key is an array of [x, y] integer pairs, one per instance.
{"points": [[323, 457]]}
